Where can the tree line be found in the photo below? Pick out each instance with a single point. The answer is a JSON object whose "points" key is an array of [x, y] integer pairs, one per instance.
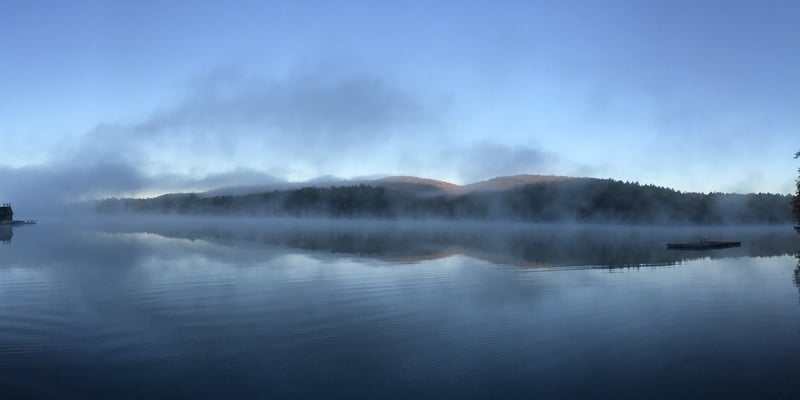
{"points": [[583, 200]]}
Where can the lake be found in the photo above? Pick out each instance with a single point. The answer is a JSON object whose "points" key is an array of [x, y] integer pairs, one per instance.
{"points": [[277, 308]]}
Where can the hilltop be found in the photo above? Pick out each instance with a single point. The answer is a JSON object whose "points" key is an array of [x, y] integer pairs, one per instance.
{"points": [[417, 185], [509, 182]]}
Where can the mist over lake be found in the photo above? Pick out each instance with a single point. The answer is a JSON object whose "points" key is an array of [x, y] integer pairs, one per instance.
{"points": [[186, 307], [354, 199]]}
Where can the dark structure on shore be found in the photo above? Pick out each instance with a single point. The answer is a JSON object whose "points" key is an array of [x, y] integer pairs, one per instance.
{"points": [[6, 214], [6, 218]]}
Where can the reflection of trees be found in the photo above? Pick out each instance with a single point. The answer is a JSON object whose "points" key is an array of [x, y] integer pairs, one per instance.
{"points": [[521, 245], [797, 271], [796, 198]]}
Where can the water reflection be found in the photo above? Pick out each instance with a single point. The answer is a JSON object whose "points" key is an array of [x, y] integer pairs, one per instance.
{"points": [[797, 272], [217, 308], [6, 233], [522, 245]]}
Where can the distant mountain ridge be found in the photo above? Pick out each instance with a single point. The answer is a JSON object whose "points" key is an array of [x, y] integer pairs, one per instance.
{"points": [[509, 182], [418, 185]]}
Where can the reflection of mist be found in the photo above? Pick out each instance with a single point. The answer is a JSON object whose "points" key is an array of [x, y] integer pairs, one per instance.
{"points": [[526, 245], [120, 242], [301, 304]]}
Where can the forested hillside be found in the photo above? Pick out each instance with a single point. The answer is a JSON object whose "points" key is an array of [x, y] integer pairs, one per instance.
{"points": [[574, 200]]}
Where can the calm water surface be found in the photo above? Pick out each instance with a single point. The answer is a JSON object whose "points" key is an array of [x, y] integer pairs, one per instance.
{"points": [[226, 308]]}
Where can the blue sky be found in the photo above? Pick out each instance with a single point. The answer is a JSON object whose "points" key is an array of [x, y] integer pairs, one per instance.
{"points": [[106, 98]]}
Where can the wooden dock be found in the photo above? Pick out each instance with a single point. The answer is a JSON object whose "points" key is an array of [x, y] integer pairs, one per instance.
{"points": [[703, 245]]}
